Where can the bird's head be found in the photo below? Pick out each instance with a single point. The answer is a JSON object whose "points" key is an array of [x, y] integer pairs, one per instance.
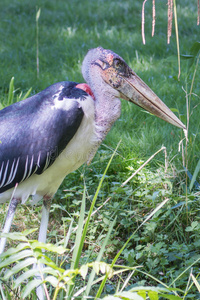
{"points": [[111, 72]]}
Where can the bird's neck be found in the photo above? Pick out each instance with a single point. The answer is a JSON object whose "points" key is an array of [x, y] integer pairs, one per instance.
{"points": [[107, 111], [107, 102]]}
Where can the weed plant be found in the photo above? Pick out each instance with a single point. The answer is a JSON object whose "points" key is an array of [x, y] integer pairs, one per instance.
{"points": [[39, 50]]}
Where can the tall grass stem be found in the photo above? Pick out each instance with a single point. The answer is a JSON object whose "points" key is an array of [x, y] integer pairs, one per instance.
{"points": [[177, 39], [37, 42]]}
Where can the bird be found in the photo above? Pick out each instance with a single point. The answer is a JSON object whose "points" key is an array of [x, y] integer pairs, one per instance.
{"points": [[51, 134]]}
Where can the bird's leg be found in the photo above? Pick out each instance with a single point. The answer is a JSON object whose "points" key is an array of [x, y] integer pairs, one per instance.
{"points": [[8, 222], [45, 219], [42, 238]]}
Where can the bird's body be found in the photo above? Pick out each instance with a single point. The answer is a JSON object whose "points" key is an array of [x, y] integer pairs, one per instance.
{"points": [[55, 136], [49, 135]]}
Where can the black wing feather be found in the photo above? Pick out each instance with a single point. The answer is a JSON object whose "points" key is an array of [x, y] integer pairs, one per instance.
{"points": [[33, 133]]}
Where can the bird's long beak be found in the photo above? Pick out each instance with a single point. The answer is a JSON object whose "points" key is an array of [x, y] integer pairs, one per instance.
{"points": [[132, 88]]}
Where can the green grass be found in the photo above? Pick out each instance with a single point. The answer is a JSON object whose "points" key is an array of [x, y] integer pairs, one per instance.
{"points": [[168, 244]]}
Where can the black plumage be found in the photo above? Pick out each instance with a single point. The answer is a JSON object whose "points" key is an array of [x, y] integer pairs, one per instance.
{"points": [[34, 132]]}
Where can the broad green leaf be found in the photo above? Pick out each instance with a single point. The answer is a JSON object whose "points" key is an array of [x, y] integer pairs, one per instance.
{"points": [[48, 270], [47, 262], [33, 272], [111, 298], [142, 294], [83, 271], [96, 267], [51, 264], [170, 297], [153, 295], [70, 272], [31, 285], [150, 288], [28, 231], [68, 280], [12, 250], [174, 109], [15, 236], [52, 280], [38, 253], [103, 267], [20, 266], [109, 271], [49, 247], [15, 257], [129, 296], [24, 277]]}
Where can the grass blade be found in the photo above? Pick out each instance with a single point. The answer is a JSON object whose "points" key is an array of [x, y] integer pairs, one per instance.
{"points": [[2, 293], [124, 246], [78, 241], [195, 282], [177, 39], [92, 275], [26, 95], [77, 252], [11, 91], [196, 171], [66, 238], [79, 237]]}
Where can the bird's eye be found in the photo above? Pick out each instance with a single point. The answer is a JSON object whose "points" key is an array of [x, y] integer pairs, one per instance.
{"points": [[120, 66], [117, 63]]}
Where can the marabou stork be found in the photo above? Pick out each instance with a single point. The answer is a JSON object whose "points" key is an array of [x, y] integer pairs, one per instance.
{"points": [[49, 135]]}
